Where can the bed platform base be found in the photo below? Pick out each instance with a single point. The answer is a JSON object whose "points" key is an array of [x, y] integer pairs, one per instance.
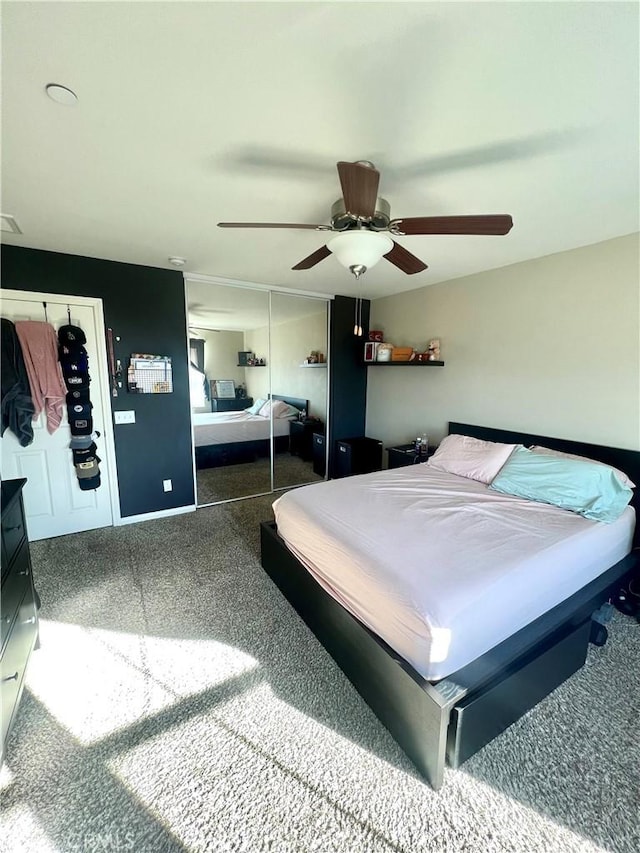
{"points": [[238, 452], [450, 720]]}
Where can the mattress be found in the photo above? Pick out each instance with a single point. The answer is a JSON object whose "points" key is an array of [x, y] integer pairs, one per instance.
{"points": [[439, 566], [229, 427]]}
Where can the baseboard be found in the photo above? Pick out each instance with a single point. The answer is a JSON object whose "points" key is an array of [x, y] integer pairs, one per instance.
{"points": [[149, 516]]}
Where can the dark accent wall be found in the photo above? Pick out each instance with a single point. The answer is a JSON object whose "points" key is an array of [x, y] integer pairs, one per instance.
{"points": [[145, 307], [348, 392]]}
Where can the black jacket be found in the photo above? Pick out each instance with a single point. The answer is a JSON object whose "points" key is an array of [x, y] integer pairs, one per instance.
{"points": [[17, 405]]}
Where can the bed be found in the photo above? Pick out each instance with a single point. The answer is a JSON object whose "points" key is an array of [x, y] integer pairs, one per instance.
{"points": [[445, 710], [229, 438]]}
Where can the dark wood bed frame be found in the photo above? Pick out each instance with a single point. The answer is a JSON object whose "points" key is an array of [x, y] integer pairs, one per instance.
{"points": [[237, 452], [449, 720]]}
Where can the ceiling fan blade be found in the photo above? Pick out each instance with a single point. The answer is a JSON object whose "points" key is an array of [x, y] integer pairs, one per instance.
{"points": [[489, 224], [404, 260], [273, 225], [313, 259], [359, 188]]}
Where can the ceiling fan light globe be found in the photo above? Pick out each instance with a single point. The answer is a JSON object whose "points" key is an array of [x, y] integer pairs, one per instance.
{"points": [[360, 248]]}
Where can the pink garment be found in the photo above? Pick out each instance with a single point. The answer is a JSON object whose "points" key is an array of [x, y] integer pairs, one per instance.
{"points": [[40, 350]]}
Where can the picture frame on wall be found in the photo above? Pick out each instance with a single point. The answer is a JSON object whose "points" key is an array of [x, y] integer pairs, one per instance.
{"points": [[244, 358], [370, 350], [224, 389]]}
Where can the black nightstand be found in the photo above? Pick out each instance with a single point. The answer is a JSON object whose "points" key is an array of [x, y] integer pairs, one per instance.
{"points": [[405, 454], [319, 454], [301, 438], [360, 455]]}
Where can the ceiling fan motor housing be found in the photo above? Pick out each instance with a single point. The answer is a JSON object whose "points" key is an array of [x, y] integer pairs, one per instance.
{"points": [[343, 221]]}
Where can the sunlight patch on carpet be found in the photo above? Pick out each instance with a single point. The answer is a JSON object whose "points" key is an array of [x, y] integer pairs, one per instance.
{"points": [[96, 682], [216, 780], [24, 817], [6, 777]]}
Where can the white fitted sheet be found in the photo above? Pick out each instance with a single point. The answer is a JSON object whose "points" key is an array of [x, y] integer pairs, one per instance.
{"points": [[229, 427], [439, 566]]}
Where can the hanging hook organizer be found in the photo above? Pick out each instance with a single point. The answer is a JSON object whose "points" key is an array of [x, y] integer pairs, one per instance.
{"points": [[74, 361]]}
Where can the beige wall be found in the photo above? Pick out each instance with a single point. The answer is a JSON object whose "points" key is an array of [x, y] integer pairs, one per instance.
{"points": [[291, 343], [550, 346], [221, 355], [257, 378]]}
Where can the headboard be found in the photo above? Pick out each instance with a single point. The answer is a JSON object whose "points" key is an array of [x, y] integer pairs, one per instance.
{"points": [[626, 460], [298, 402]]}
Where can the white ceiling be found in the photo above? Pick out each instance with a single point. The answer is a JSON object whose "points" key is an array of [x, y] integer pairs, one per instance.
{"points": [[192, 113]]}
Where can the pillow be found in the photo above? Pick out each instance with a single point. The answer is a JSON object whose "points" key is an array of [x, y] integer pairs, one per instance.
{"points": [[255, 409], [278, 408], [291, 412], [591, 490], [626, 481], [471, 457]]}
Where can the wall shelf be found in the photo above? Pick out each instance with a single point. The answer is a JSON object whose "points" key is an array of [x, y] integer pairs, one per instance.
{"points": [[251, 365], [404, 363], [319, 364]]}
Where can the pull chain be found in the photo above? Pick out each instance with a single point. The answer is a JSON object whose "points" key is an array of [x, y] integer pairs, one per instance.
{"points": [[44, 305]]}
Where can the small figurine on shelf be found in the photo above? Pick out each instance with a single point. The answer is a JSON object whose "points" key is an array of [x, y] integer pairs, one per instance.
{"points": [[434, 350]]}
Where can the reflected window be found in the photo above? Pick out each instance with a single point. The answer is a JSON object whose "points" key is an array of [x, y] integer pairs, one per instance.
{"points": [[198, 387]]}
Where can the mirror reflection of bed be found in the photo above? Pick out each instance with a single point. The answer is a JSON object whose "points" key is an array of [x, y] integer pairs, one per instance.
{"points": [[233, 449], [242, 343]]}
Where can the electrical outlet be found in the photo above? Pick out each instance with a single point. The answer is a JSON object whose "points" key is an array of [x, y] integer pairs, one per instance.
{"points": [[167, 485], [124, 417]]}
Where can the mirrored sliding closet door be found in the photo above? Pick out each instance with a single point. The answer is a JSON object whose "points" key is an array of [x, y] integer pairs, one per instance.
{"points": [[299, 379], [229, 385], [259, 389]]}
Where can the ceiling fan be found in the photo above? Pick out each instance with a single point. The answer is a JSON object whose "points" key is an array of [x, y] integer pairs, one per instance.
{"points": [[363, 221]]}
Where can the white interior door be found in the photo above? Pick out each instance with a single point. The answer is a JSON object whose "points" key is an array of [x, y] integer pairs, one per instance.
{"points": [[54, 503]]}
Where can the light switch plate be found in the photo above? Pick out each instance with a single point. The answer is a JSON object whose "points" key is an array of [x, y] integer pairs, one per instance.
{"points": [[128, 417]]}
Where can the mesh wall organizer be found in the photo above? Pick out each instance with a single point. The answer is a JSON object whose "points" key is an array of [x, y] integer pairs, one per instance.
{"points": [[149, 374]]}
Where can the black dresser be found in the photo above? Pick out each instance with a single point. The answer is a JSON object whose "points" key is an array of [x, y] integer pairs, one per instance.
{"points": [[19, 618]]}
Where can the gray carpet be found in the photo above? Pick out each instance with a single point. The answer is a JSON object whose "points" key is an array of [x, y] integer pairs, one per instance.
{"points": [[252, 478], [179, 704]]}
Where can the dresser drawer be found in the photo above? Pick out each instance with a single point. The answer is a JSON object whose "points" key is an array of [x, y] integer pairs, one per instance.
{"points": [[13, 530], [15, 657], [14, 587]]}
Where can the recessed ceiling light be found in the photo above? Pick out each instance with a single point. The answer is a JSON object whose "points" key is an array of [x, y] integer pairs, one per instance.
{"points": [[61, 94], [177, 262], [8, 223]]}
